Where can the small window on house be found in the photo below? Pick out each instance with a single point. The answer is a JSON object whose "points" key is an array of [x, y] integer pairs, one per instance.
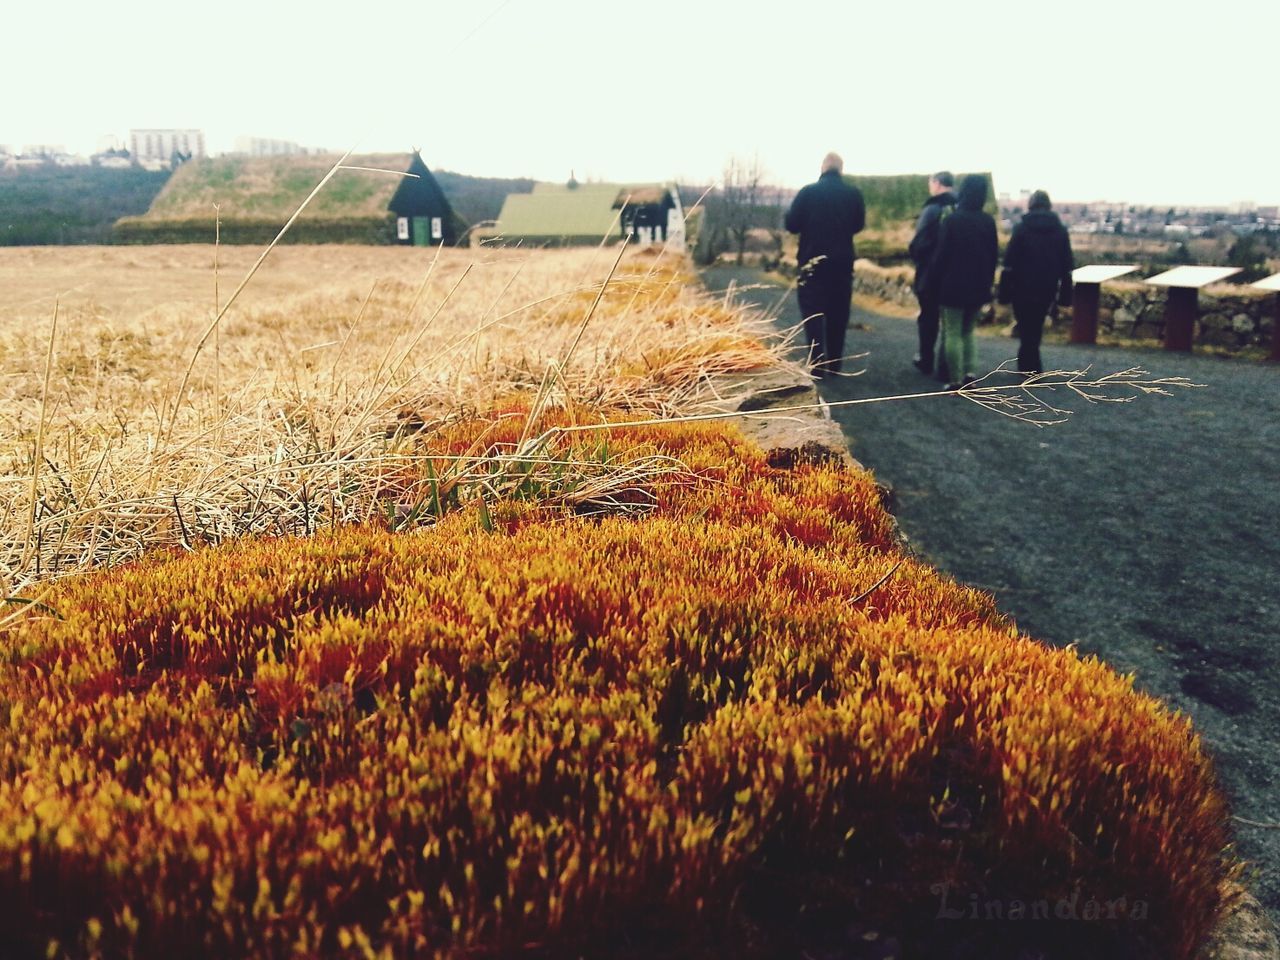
{"points": [[402, 228], [437, 228]]}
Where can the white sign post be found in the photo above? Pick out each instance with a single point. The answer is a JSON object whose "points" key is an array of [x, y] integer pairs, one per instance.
{"points": [[1086, 293], [1273, 283], [1183, 306]]}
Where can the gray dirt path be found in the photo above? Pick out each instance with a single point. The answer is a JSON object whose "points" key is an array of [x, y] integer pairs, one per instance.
{"points": [[1147, 532]]}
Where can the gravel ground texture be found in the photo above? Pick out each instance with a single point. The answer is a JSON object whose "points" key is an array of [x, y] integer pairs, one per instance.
{"points": [[1145, 532]]}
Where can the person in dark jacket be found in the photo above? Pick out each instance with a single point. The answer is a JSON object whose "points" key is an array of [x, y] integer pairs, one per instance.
{"points": [[940, 203], [1036, 274], [826, 215], [961, 274]]}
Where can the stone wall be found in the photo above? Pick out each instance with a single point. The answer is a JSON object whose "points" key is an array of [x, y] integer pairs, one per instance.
{"points": [[891, 284], [1233, 318]]}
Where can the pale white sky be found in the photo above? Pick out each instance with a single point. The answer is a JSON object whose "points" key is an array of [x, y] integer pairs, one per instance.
{"points": [[1099, 99]]}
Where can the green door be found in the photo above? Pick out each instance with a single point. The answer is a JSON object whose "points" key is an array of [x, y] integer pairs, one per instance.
{"points": [[422, 231]]}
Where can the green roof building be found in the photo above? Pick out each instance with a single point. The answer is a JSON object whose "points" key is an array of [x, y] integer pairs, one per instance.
{"points": [[588, 213]]}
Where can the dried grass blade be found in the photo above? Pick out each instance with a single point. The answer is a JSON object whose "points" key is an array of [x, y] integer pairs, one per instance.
{"points": [[38, 459], [213, 324]]}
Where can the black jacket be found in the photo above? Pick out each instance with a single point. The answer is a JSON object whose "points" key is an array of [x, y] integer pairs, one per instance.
{"points": [[925, 240], [1038, 261], [964, 263], [827, 214]]}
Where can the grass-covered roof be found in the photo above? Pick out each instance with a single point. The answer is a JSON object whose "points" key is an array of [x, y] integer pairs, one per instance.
{"points": [[897, 198], [273, 187], [581, 210]]}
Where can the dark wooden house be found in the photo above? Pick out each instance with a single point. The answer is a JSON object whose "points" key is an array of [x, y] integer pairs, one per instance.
{"points": [[423, 215]]}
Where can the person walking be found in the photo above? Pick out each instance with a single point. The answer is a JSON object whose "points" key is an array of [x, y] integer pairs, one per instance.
{"points": [[1036, 274], [940, 204], [826, 215], [961, 275]]}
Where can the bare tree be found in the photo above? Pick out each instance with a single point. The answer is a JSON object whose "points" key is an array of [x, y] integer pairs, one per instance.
{"points": [[742, 193]]}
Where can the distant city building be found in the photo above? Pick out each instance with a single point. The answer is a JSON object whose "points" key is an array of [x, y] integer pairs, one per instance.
{"points": [[267, 147], [160, 148]]}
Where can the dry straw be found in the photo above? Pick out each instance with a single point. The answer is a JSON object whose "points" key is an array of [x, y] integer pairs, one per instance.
{"points": [[312, 410]]}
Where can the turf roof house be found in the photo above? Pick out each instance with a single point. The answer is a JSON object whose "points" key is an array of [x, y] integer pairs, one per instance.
{"points": [[250, 197], [573, 213], [423, 215]]}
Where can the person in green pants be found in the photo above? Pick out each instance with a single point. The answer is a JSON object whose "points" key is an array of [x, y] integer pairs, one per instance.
{"points": [[964, 268]]}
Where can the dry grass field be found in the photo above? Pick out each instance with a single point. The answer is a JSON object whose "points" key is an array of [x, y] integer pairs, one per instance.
{"points": [[127, 432]]}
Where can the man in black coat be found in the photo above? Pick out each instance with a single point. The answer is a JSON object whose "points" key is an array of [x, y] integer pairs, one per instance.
{"points": [[1037, 272], [941, 201], [826, 214]]}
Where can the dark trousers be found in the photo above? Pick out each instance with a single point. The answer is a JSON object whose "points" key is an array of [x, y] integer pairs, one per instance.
{"points": [[1030, 329], [928, 324], [824, 292]]}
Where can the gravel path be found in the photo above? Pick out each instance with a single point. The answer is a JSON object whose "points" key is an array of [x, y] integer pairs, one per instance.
{"points": [[1147, 532]]}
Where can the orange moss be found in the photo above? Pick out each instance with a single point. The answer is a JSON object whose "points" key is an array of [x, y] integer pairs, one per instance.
{"points": [[466, 741]]}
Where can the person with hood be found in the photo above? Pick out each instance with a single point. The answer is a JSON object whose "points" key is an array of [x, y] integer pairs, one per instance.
{"points": [[961, 275], [826, 214], [939, 205], [1036, 274]]}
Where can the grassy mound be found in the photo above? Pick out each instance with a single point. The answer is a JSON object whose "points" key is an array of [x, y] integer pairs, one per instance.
{"points": [[528, 731], [253, 196], [270, 188], [896, 199]]}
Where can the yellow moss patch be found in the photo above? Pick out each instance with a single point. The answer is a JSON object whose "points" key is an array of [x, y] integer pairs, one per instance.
{"points": [[486, 735]]}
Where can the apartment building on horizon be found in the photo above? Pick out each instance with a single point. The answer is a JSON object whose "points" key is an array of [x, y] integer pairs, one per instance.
{"points": [[269, 147], [159, 147]]}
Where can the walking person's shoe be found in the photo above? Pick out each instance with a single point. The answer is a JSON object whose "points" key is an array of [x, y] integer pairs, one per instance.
{"points": [[923, 366], [942, 369]]}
